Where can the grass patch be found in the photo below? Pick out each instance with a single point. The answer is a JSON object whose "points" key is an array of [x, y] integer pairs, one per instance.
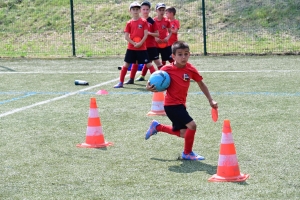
{"points": [[97, 24], [40, 159]]}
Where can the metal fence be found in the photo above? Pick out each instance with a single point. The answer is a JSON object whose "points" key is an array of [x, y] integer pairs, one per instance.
{"points": [[38, 28]]}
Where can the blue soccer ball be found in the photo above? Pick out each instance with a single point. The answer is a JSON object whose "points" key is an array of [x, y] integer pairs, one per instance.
{"points": [[160, 79]]}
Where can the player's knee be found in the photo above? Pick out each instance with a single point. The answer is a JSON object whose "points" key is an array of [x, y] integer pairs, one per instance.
{"points": [[192, 125]]}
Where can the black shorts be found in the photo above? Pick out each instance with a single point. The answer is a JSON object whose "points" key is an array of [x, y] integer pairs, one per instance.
{"points": [[153, 53], [166, 53], [178, 116], [139, 57]]}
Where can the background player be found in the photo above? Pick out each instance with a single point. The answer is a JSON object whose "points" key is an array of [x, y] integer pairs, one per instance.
{"points": [[136, 32]]}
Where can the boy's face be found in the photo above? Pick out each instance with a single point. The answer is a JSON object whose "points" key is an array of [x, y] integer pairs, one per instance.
{"points": [[135, 12], [160, 12], [181, 57], [145, 11], [169, 15]]}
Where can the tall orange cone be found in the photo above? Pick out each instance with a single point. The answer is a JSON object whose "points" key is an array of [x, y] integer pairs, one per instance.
{"points": [[94, 133], [157, 107], [228, 167]]}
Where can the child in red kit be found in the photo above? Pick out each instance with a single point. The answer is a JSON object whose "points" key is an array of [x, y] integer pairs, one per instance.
{"points": [[175, 25], [164, 29], [181, 73], [150, 44], [136, 32]]}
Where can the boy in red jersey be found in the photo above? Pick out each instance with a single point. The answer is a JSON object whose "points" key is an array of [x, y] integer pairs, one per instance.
{"points": [[150, 44], [175, 25], [181, 72], [164, 29], [136, 32]]}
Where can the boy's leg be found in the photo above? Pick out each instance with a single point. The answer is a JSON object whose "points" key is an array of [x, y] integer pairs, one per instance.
{"points": [[189, 137], [122, 77], [165, 55], [155, 127], [144, 70], [158, 64], [189, 141], [134, 68], [143, 74], [150, 67], [170, 59], [167, 129]]}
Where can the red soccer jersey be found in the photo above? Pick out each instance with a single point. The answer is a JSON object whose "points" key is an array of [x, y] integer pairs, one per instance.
{"points": [[162, 26], [180, 82], [150, 41], [174, 38], [136, 28]]}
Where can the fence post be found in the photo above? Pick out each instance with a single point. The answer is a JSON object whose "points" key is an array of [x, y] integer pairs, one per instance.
{"points": [[72, 28], [204, 27]]}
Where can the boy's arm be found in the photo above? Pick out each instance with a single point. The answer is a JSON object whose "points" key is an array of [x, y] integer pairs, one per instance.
{"points": [[150, 88], [127, 38], [169, 35], [145, 36], [154, 34], [139, 44], [206, 92], [175, 30]]}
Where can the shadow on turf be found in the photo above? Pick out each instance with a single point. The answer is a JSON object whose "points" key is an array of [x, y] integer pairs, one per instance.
{"points": [[141, 87], [6, 69], [190, 166]]}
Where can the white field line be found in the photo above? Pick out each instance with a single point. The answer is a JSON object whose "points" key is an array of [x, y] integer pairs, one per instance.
{"points": [[82, 72], [55, 99], [117, 72], [88, 88]]}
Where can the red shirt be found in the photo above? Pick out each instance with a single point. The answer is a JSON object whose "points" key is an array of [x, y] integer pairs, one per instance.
{"points": [[136, 28], [162, 26], [150, 41], [174, 38], [180, 82]]}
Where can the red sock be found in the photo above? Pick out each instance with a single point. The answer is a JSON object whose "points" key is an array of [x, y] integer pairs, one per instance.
{"points": [[144, 70], [171, 60], [123, 74], [164, 62], [189, 140], [152, 69], [167, 129], [134, 68]]}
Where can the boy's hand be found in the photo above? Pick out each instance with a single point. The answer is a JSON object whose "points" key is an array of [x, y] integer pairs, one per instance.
{"points": [[158, 40], [150, 87], [138, 45], [213, 103], [165, 40]]}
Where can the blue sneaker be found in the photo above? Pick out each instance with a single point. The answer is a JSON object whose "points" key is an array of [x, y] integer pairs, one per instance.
{"points": [[152, 129], [119, 85], [191, 156]]}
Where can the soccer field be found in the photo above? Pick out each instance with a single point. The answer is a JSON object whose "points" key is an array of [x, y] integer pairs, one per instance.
{"points": [[43, 116]]}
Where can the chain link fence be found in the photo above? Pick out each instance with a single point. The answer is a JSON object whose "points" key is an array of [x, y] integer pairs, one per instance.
{"points": [[38, 28]]}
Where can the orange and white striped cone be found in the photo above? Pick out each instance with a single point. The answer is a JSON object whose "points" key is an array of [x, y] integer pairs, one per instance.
{"points": [[94, 132], [228, 167], [157, 107]]}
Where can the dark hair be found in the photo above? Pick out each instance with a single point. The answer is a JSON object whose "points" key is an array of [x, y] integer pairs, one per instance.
{"points": [[146, 3], [171, 10], [179, 45]]}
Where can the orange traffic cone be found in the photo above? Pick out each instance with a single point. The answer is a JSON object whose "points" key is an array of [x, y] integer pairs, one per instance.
{"points": [[157, 107], [228, 167], [94, 133]]}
